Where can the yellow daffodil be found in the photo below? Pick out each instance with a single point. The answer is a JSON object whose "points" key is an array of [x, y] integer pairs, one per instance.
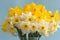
{"points": [[4, 29], [7, 27], [34, 9], [38, 10], [49, 16], [37, 18], [11, 12], [33, 6], [6, 22], [18, 11], [49, 13], [56, 16], [41, 8], [27, 8]]}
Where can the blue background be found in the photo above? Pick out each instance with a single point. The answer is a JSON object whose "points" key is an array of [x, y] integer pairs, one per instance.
{"points": [[6, 4]]}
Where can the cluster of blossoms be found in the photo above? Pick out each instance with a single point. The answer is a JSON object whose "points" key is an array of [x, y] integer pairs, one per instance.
{"points": [[30, 19]]}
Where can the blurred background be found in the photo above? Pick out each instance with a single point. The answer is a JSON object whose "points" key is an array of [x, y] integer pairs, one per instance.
{"points": [[52, 5]]}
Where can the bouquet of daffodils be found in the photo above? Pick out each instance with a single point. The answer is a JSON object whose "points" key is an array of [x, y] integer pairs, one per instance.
{"points": [[33, 20]]}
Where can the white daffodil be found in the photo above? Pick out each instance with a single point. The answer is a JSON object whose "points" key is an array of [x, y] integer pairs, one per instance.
{"points": [[43, 27], [16, 21], [42, 30], [30, 19], [10, 30], [24, 16], [33, 27], [47, 24], [53, 26], [29, 14], [25, 27], [42, 21]]}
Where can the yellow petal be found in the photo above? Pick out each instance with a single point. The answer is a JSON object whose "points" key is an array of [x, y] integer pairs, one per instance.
{"points": [[56, 16], [11, 12], [27, 8], [4, 29], [18, 11]]}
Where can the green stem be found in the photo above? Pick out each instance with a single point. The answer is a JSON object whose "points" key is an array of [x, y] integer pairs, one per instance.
{"points": [[31, 36], [34, 36], [22, 37]]}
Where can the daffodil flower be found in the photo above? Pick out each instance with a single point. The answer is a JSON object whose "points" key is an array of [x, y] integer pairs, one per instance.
{"points": [[33, 27], [30, 19], [56, 16], [11, 12], [18, 11]]}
